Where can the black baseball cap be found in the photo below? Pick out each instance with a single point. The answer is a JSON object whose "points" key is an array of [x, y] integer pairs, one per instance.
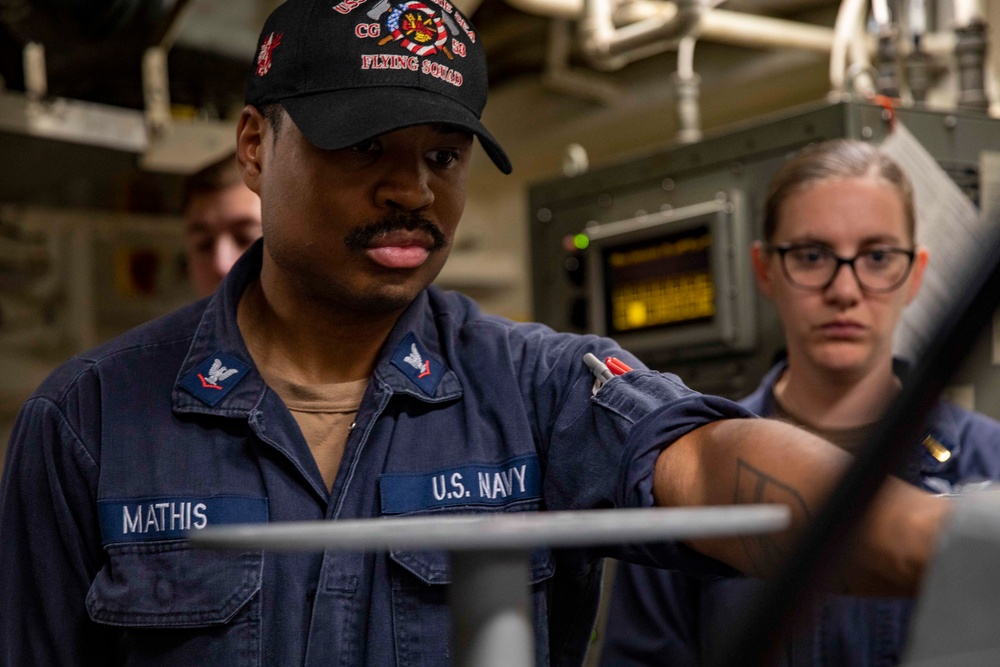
{"points": [[351, 71]]}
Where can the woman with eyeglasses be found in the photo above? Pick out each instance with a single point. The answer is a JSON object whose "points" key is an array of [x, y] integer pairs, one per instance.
{"points": [[839, 260]]}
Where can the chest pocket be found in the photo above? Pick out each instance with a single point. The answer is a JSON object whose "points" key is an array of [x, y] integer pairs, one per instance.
{"points": [[420, 614], [178, 605]]}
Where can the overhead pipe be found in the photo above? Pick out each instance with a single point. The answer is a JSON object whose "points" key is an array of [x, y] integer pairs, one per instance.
{"points": [[570, 10], [607, 46], [658, 26], [687, 84], [560, 77], [753, 31], [880, 12], [648, 27], [735, 28], [718, 25], [966, 12], [848, 38], [726, 27]]}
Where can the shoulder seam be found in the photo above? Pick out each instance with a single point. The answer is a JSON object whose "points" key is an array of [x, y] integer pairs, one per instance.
{"points": [[66, 422], [90, 362], [136, 346]]}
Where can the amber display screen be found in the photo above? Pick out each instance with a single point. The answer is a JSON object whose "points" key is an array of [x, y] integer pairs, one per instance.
{"points": [[659, 283]]}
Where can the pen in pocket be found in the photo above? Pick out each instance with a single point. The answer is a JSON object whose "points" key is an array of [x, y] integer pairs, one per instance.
{"points": [[617, 366], [597, 367]]}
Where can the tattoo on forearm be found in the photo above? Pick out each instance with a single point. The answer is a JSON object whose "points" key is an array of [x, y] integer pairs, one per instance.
{"points": [[754, 486]]}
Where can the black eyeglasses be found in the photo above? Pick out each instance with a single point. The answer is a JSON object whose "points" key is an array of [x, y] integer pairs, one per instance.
{"points": [[814, 267]]}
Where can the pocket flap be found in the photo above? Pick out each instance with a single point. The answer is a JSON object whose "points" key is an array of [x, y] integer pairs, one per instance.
{"points": [[169, 584], [434, 567]]}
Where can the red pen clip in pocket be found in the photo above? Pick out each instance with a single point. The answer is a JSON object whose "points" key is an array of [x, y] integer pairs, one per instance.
{"points": [[617, 366]]}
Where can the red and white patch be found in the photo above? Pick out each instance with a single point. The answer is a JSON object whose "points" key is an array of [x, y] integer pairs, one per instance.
{"points": [[418, 29], [266, 49]]}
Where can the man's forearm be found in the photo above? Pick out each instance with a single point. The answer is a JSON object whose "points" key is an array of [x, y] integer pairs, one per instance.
{"points": [[766, 461]]}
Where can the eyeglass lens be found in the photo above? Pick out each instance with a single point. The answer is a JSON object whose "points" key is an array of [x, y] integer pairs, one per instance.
{"points": [[815, 266]]}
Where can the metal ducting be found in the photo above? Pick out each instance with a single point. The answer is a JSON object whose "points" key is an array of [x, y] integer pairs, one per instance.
{"points": [[83, 130]]}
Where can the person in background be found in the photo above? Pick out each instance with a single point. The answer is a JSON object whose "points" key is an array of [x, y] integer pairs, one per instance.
{"points": [[840, 261], [328, 379], [221, 220]]}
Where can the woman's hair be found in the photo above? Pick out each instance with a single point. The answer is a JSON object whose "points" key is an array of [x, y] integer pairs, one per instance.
{"points": [[836, 159]]}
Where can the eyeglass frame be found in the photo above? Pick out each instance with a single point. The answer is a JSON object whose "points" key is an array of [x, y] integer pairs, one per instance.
{"points": [[783, 249]]}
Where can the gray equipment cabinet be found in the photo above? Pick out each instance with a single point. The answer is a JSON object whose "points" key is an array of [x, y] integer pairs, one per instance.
{"points": [[731, 170]]}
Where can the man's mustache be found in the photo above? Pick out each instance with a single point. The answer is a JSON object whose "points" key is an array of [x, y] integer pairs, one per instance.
{"points": [[363, 237]]}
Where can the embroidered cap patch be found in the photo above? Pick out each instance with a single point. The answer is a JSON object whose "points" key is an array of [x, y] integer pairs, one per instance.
{"points": [[215, 377], [411, 358]]}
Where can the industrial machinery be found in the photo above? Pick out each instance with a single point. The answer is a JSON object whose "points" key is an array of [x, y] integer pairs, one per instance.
{"points": [[654, 250]]}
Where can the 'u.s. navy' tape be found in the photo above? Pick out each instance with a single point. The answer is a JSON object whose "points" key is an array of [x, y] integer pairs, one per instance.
{"points": [[497, 484]]}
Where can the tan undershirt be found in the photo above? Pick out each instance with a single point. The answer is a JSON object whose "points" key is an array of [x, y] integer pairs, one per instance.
{"points": [[324, 413], [850, 439]]}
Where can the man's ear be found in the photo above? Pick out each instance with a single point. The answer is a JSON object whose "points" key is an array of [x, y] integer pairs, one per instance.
{"points": [[761, 262], [249, 146]]}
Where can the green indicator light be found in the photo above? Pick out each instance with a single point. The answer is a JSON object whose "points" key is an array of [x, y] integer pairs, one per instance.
{"points": [[581, 241]]}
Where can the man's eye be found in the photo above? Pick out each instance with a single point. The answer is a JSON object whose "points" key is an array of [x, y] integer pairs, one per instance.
{"points": [[443, 158], [366, 146]]}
